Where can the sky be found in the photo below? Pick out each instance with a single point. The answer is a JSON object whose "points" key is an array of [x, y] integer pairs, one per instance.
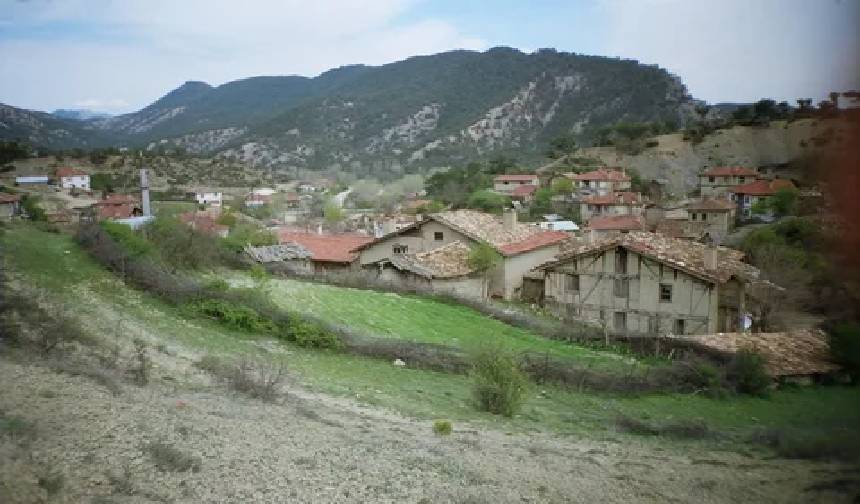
{"points": [[120, 55]]}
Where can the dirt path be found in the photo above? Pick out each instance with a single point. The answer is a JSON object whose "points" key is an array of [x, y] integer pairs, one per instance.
{"points": [[309, 447]]}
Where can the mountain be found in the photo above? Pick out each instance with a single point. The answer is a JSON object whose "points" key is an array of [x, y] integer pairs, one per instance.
{"points": [[79, 114], [46, 130], [426, 110]]}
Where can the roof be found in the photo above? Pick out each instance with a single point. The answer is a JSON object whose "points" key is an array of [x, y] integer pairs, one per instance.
{"points": [[203, 222], [763, 187], [793, 353], [9, 198], [602, 174], [67, 171], [524, 190], [616, 223], [448, 261], [117, 199], [690, 230], [515, 178], [32, 179], [685, 255], [116, 206], [710, 204], [326, 247], [730, 171], [616, 198]]}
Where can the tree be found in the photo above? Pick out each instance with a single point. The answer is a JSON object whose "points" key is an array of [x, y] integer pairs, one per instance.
{"points": [[332, 213], [562, 185], [845, 348], [784, 201], [561, 146], [488, 201], [484, 258]]}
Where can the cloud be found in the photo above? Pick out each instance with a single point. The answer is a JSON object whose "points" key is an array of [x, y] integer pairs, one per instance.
{"points": [[102, 105], [141, 49]]}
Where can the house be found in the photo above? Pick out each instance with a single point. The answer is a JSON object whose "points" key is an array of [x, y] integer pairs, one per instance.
{"points": [[32, 180], [521, 246], [443, 270], [292, 200], [717, 215], [10, 206], [717, 181], [683, 229], [323, 252], [72, 178], [209, 197], [118, 206], [257, 200], [601, 227], [601, 181], [508, 183], [609, 204], [524, 193], [204, 222], [746, 196], [647, 283]]}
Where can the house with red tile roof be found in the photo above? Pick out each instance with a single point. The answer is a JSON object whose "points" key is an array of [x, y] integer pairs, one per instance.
{"points": [[609, 204], [614, 224], [521, 246], [601, 181], [73, 178], [524, 193], [507, 184], [748, 195], [718, 180], [118, 206], [10, 206], [324, 252]]}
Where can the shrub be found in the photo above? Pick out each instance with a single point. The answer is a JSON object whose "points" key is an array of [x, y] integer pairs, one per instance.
{"points": [[835, 446], [257, 379], [133, 243], [442, 427], [845, 348], [142, 364], [234, 316], [499, 385], [309, 335], [746, 370], [52, 481], [168, 458]]}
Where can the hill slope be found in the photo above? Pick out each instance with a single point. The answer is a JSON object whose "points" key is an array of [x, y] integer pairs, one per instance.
{"points": [[433, 110]]}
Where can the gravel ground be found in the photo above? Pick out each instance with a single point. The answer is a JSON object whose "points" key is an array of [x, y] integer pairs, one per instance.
{"points": [[308, 447]]}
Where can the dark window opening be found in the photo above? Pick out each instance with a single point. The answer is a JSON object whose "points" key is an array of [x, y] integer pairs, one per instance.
{"points": [[400, 249], [621, 287], [621, 260], [438, 236], [620, 322], [571, 283], [679, 326], [665, 293]]}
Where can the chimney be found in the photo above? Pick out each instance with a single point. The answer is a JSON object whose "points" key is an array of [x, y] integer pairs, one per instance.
{"points": [[711, 257], [509, 220], [144, 192], [388, 226]]}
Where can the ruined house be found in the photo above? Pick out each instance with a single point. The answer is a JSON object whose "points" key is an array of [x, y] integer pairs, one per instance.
{"points": [[644, 283], [715, 215], [521, 246]]}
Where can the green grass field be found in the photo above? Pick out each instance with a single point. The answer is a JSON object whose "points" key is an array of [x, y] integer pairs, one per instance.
{"points": [[425, 320], [53, 262]]}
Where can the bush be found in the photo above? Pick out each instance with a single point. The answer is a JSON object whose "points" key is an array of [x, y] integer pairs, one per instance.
{"points": [[499, 385], [129, 240], [836, 446], [845, 348], [234, 316], [746, 371], [257, 379], [442, 427], [309, 335], [168, 458], [183, 247]]}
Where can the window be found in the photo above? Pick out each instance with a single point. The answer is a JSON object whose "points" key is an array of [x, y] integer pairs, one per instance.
{"points": [[621, 287], [711, 179], [653, 325], [620, 322], [693, 216], [742, 180], [400, 249], [621, 260], [438, 236], [665, 293], [571, 283], [679, 326]]}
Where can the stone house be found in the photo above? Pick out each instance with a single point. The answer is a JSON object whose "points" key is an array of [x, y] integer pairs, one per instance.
{"points": [[443, 270], [10, 206], [600, 182], [323, 253], [716, 215], [522, 247], [748, 195], [718, 180], [508, 183], [610, 204], [603, 227], [72, 178], [644, 283]]}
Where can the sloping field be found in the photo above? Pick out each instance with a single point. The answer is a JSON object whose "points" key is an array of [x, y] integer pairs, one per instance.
{"points": [[425, 320]]}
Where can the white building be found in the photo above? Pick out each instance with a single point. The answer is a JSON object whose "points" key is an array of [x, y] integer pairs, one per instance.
{"points": [[72, 178], [207, 197]]}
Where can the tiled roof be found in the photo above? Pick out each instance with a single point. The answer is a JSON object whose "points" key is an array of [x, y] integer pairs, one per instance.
{"points": [[524, 190], [710, 204], [763, 187], [793, 353], [67, 171], [616, 198], [602, 174], [730, 171], [488, 228], [685, 255], [326, 247], [515, 178], [203, 222], [118, 199], [9, 198], [676, 228], [116, 206], [448, 261], [616, 223]]}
